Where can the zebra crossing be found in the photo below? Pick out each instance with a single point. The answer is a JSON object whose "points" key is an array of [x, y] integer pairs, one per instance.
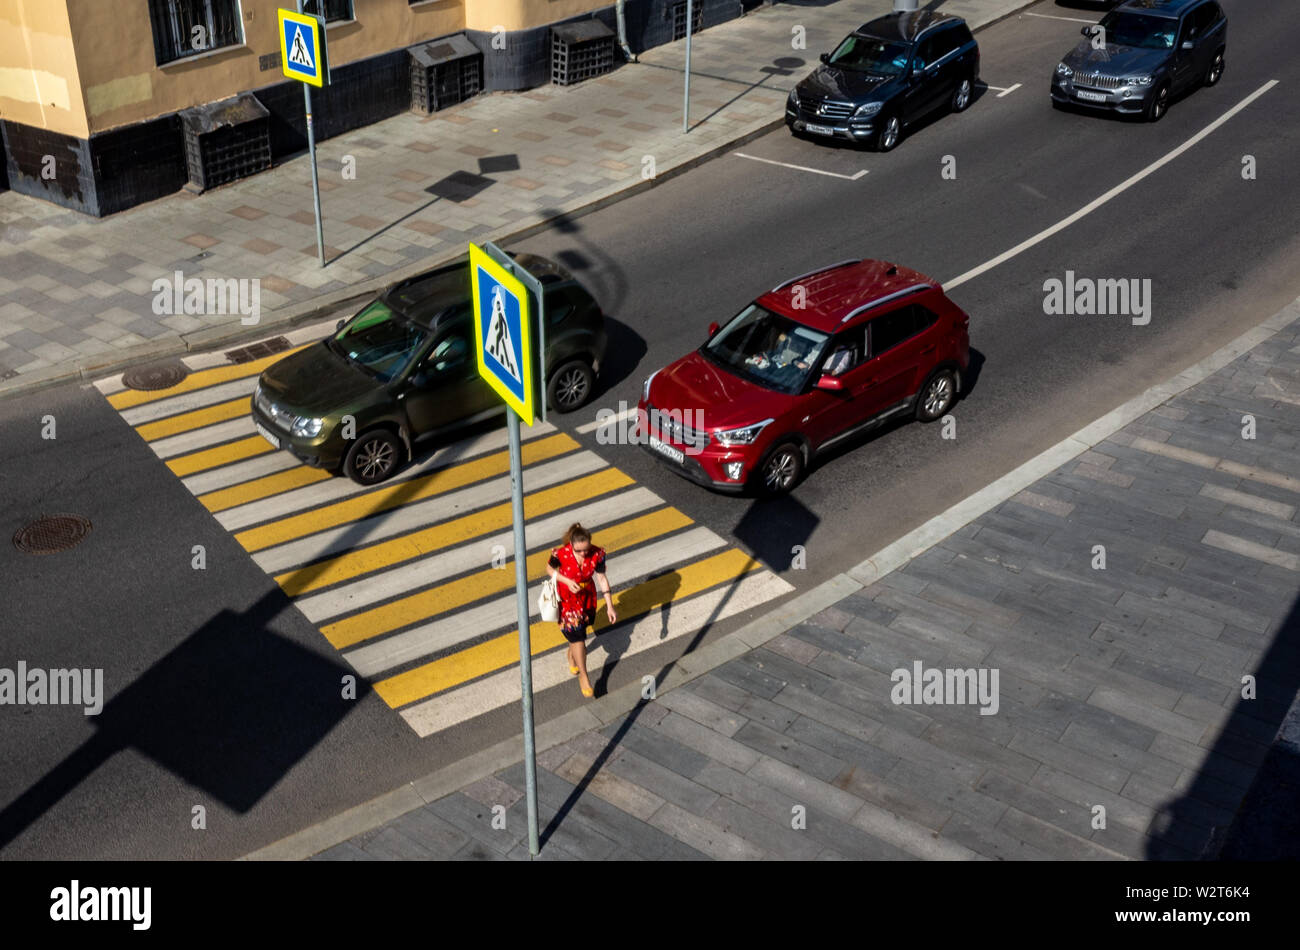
{"points": [[411, 581]]}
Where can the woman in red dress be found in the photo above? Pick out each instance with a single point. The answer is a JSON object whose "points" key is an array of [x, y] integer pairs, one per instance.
{"points": [[578, 567]]}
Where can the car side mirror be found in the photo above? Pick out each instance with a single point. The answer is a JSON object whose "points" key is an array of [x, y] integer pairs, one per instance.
{"points": [[831, 384], [713, 328], [1087, 30], [1188, 44], [918, 71], [825, 57], [339, 326]]}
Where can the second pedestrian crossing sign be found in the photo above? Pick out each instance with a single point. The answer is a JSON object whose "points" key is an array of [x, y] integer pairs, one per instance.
{"points": [[502, 332], [302, 47]]}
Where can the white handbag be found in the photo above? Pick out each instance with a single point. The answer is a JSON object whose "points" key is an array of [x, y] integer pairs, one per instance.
{"points": [[548, 601]]}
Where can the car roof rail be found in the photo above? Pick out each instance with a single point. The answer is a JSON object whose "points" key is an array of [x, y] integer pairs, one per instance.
{"points": [[820, 270], [905, 292]]}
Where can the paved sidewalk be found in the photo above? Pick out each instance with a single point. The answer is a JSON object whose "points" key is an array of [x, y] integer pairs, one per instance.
{"points": [[1120, 688], [76, 293]]}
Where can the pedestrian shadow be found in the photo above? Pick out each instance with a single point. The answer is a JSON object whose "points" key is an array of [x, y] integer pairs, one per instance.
{"points": [[752, 524], [1248, 753], [229, 711]]}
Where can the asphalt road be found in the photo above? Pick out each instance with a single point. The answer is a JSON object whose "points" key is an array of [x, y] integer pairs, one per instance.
{"points": [[246, 726]]}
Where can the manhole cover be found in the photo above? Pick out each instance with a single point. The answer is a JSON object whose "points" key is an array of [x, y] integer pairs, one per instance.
{"points": [[51, 534], [156, 376]]}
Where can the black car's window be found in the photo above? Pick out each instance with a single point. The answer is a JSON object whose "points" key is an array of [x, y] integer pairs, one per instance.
{"points": [[768, 349], [868, 54], [891, 329], [1200, 20], [379, 340], [452, 351], [962, 34], [926, 53], [1139, 29], [945, 41], [563, 303]]}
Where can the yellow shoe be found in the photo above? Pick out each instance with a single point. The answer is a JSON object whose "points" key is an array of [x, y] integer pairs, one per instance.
{"points": [[588, 692]]}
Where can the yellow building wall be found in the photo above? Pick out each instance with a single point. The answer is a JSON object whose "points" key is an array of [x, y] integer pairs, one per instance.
{"points": [[524, 14], [115, 52], [39, 82]]}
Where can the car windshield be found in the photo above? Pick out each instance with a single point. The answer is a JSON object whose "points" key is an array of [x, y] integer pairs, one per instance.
{"points": [[1140, 30], [867, 54], [379, 340], [767, 349]]}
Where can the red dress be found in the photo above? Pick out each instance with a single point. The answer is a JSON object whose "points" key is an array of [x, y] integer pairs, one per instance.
{"points": [[578, 610]]}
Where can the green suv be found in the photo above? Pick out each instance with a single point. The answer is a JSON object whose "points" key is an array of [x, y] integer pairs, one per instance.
{"points": [[403, 370]]}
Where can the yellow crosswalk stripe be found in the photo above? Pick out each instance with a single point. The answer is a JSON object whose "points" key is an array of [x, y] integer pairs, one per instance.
{"points": [[196, 419], [394, 551], [221, 455], [403, 493], [447, 597], [195, 381], [258, 488], [503, 651]]}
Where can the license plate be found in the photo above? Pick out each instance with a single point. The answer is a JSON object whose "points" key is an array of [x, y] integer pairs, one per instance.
{"points": [[667, 450], [1087, 96], [267, 434], [818, 129]]}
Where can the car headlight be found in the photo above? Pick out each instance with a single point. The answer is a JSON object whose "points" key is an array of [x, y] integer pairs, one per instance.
{"points": [[794, 98], [1064, 70], [871, 108], [307, 426], [1140, 80], [745, 435], [645, 387]]}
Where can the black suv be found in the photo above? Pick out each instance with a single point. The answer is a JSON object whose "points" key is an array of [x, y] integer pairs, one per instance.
{"points": [[886, 75], [403, 370], [1149, 52]]}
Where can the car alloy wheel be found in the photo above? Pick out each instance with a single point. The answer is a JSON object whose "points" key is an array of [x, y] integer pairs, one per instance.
{"points": [[1216, 69], [889, 133], [571, 386], [961, 97], [781, 470], [1159, 103], [938, 396], [373, 458]]}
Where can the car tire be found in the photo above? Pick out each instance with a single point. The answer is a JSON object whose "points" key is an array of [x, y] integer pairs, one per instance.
{"points": [[373, 458], [937, 396], [1158, 104], [962, 94], [571, 386], [1215, 72], [780, 470], [891, 131]]}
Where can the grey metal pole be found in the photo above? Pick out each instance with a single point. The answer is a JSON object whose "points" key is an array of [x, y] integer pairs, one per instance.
{"points": [[311, 148], [686, 106], [525, 644]]}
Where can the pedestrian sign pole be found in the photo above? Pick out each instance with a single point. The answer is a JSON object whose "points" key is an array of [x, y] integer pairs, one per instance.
{"points": [[503, 331], [303, 57]]}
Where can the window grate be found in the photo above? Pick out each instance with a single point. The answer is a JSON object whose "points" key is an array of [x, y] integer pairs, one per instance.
{"points": [[679, 18], [183, 28]]}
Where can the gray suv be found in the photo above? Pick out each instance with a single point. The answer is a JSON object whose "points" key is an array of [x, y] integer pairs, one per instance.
{"points": [[1141, 55]]}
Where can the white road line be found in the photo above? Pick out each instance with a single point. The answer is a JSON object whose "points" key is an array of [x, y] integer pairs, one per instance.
{"points": [[500, 614], [477, 554], [1117, 190], [657, 627], [1068, 19], [110, 385], [354, 534], [612, 421], [802, 168], [1008, 91], [206, 437], [320, 493], [201, 361], [187, 402], [228, 475]]}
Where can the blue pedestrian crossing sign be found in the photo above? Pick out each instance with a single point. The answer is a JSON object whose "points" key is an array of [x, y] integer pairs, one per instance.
{"points": [[302, 47], [502, 332]]}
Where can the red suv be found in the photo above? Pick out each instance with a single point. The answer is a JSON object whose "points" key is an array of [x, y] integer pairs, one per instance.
{"points": [[817, 360]]}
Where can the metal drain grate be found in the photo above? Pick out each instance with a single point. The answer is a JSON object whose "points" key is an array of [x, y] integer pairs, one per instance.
{"points": [[258, 350], [51, 534], [155, 376]]}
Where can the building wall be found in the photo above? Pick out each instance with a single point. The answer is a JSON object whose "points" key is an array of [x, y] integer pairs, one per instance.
{"points": [[39, 81]]}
